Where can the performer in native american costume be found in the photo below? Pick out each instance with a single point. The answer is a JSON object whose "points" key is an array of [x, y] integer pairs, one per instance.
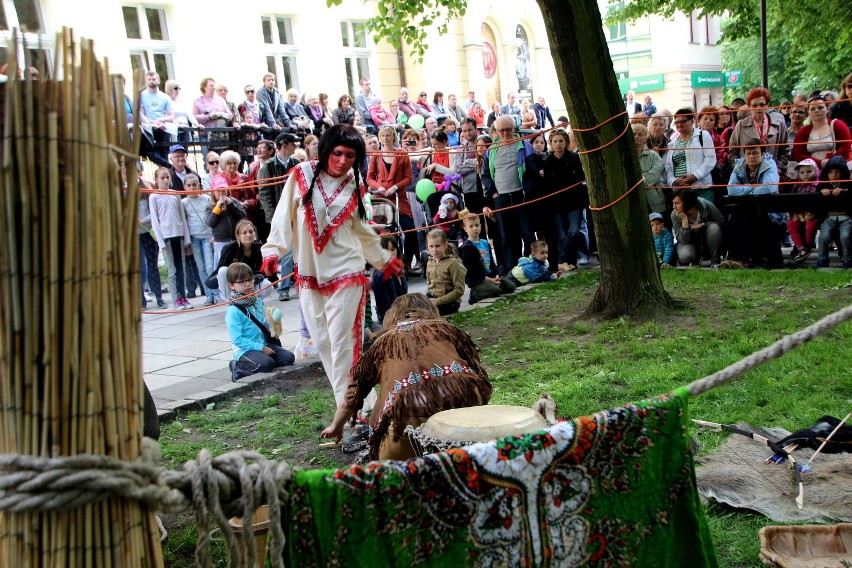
{"points": [[423, 365], [321, 218]]}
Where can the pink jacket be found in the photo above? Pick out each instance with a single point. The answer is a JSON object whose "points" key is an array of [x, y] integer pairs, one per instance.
{"points": [[379, 116]]}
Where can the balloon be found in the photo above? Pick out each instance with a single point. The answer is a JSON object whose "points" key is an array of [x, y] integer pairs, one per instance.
{"points": [[424, 188], [416, 121]]}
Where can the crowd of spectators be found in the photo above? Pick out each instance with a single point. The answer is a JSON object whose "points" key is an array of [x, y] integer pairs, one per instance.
{"points": [[690, 161], [752, 147]]}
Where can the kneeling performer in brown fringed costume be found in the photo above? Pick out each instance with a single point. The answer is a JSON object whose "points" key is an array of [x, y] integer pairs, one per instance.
{"points": [[423, 365]]}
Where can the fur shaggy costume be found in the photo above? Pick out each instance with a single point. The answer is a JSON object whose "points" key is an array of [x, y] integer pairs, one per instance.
{"points": [[422, 367]]}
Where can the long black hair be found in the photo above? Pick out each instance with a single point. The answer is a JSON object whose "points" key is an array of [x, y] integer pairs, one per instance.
{"points": [[340, 135]]}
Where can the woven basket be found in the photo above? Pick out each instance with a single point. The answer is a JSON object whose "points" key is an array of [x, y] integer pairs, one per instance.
{"points": [[807, 546]]}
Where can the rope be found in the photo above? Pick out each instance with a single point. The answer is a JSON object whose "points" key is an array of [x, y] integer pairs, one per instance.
{"points": [[780, 347], [233, 484], [623, 195]]}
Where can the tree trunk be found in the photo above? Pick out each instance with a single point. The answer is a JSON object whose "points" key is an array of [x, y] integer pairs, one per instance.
{"points": [[630, 282]]}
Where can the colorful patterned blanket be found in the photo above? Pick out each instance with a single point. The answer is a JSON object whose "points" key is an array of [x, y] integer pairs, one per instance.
{"points": [[616, 488]]}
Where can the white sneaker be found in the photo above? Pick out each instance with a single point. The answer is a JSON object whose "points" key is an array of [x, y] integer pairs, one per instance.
{"points": [[583, 261]]}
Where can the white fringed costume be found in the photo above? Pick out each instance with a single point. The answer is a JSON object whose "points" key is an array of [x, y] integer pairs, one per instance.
{"points": [[330, 244]]}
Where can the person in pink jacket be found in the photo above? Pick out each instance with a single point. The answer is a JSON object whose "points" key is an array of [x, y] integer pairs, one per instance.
{"points": [[380, 116]]}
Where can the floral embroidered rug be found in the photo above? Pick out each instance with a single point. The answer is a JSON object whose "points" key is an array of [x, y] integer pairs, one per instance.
{"points": [[616, 488]]}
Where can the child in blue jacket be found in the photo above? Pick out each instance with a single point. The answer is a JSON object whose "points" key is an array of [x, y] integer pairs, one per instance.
{"points": [[255, 349], [663, 240], [533, 268]]}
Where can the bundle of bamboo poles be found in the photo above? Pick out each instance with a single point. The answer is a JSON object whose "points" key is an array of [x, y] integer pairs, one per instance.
{"points": [[70, 366]]}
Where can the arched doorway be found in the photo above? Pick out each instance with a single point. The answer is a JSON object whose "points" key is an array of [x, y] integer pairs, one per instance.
{"points": [[490, 67]]}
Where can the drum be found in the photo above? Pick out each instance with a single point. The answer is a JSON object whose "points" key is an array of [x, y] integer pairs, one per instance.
{"points": [[461, 427]]}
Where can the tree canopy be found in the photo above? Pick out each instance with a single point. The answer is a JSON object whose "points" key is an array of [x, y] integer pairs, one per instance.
{"points": [[813, 40], [785, 71], [407, 22]]}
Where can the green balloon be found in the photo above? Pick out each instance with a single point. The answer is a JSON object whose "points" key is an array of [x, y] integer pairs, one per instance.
{"points": [[424, 189], [416, 121]]}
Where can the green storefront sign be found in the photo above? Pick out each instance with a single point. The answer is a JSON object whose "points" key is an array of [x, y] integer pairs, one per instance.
{"points": [[708, 79], [642, 84], [733, 78]]}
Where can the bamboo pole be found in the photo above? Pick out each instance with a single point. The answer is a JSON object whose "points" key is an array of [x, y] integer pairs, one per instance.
{"points": [[70, 367]]}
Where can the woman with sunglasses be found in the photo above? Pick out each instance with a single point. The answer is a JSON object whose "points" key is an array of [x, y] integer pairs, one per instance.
{"points": [[821, 139], [211, 161], [691, 157], [253, 105]]}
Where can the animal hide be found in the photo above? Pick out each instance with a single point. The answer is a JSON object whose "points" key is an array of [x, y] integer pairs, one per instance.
{"points": [[736, 475]]}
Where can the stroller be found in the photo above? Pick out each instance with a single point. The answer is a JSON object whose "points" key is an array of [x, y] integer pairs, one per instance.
{"points": [[385, 215]]}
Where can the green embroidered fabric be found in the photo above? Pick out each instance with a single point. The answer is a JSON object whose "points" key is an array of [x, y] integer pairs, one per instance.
{"points": [[616, 488]]}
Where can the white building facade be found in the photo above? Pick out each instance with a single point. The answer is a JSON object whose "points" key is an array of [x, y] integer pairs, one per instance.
{"points": [[499, 46]]}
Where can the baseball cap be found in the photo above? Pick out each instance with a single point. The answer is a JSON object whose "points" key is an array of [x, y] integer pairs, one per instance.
{"points": [[177, 148], [286, 137], [807, 162], [655, 217]]}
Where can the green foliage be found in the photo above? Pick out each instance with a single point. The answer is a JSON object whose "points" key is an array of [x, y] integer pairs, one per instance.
{"points": [[785, 71], [814, 41], [407, 22]]}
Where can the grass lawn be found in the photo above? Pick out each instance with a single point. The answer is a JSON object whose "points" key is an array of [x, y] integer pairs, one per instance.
{"points": [[535, 342]]}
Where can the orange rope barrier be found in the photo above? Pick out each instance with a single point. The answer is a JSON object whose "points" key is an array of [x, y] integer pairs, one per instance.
{"points": [[613, 141], [625, 194], [220, 304]]}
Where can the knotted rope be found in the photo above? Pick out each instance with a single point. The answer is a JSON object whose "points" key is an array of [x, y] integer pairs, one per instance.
{"points": [[235, 483]]}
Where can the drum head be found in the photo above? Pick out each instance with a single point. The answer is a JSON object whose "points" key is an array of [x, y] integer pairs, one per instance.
{"points": [[483, 423]]}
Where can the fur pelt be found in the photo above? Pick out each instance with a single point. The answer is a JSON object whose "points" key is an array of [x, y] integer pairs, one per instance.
{"points": [[411, 347]]}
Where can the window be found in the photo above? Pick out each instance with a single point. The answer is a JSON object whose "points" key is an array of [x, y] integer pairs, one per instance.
{"points": [[617, 30], [281, 50], [711, 24], [356, 61], [151, 48], [694, 28], [34, 44]]}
